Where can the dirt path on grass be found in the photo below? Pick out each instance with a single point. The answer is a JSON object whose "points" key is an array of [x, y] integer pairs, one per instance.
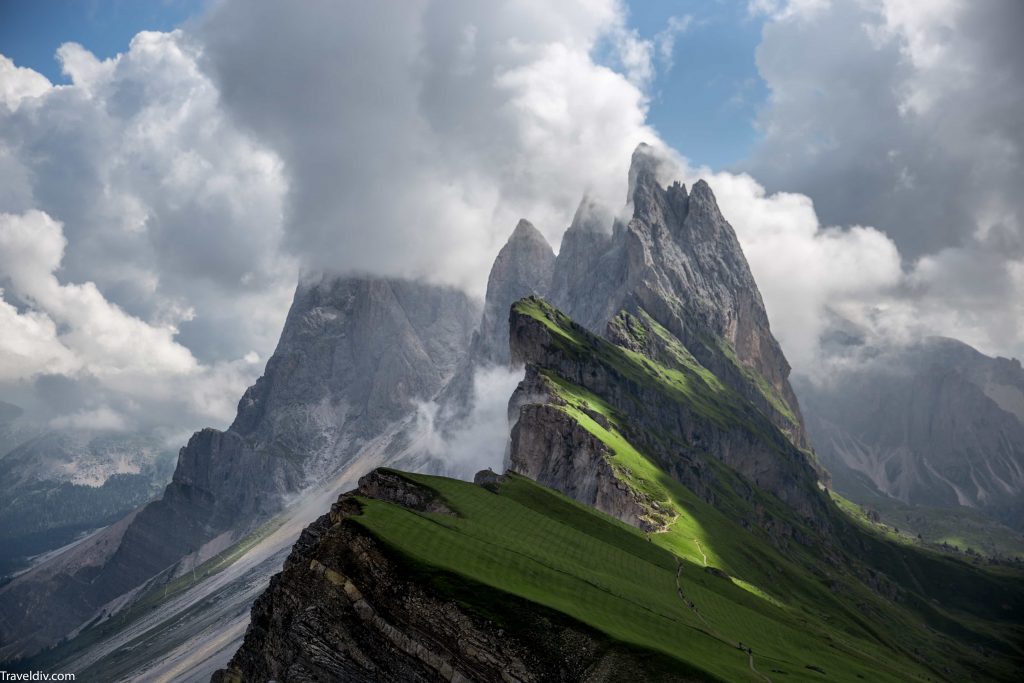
{"points": [[752, 668], [701, 549], [711, 629], [689, 603]]}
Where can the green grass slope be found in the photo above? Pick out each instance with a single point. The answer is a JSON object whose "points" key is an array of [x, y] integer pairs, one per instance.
{"points": [[654, 593], [963, 530], [855, 588]]}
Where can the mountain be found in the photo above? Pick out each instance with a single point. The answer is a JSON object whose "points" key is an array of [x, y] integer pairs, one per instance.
{"points": [[695, 573], [678, 261], [339, 389], [59, 484], [934, 424], [662, 516], [678, 509]]}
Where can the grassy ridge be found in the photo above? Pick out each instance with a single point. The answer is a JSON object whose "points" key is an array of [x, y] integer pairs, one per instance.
{"points": [[688, 384], [536, 544]]}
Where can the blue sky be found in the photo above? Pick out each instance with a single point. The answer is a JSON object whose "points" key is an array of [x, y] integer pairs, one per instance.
{"points": [[704, 105], [32, 30]]}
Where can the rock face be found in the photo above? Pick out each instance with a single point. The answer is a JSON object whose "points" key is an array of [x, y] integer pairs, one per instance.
{"points": [[348, 608], [353, 354], [936, 424], [551, 448]]}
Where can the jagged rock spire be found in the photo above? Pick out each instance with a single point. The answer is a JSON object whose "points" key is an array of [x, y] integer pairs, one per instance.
{"points": [[524, 266], [679, 260]]}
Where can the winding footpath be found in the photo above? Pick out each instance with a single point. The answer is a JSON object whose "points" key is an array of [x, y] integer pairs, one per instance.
{"points": [[714, 631], [701, 549]]}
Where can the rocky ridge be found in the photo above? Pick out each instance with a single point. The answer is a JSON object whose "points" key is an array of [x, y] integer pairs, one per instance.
{"points": [[348, 607], [679, 261], [680, 415]]}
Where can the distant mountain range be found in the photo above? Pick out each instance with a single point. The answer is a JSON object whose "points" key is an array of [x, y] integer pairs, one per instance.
{"points": [[58, 484], [935, 424]]}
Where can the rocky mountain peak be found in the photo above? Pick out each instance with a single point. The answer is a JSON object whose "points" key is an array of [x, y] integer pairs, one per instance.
{"points": [[679, 261], [524, 266], [591, 216], [643, 169], [526, 232], [704, 222]]}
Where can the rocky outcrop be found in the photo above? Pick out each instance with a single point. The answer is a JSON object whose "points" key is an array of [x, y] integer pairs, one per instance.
{"points": [[553, 449], [353, 356], [394, 488], [348, 608], [936, 423]]}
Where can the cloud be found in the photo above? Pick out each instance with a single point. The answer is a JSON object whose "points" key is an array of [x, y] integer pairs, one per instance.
{"points": [[665, 40], [420, 133], [29, 345], [18, 83], [99, 419], [906, 116], [480, 440], [105, 338], [141, 236], [71, 330]]}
